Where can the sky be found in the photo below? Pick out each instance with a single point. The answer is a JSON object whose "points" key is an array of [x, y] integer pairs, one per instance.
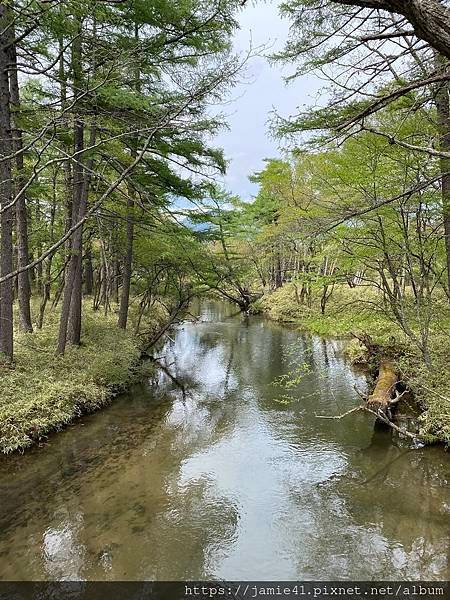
{"points": [[248, 141]]}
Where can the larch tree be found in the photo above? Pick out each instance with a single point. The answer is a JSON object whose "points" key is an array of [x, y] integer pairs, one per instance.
{"points": [[104, 120], [6, 207]]}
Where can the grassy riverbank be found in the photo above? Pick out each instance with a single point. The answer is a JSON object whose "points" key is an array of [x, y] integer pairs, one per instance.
{"points": [[44, 392], [354, 311]]}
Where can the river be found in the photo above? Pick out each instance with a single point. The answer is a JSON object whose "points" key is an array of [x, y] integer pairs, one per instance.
{"points": [[218, 472]]}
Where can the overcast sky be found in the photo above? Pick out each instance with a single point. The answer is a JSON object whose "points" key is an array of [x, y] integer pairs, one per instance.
{"points": [[248, 140]]}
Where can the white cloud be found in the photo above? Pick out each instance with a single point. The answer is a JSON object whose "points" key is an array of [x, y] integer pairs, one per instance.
{"points": [[248, 140]]}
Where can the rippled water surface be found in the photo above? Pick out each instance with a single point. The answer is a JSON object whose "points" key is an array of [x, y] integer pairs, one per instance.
{"points": [[212, 472]]}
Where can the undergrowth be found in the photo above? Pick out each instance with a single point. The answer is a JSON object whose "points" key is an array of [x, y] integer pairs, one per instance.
{"points": [[42, 392]]}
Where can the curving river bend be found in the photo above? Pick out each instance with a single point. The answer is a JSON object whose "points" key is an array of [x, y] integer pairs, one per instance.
{"points": [[213, 474]]}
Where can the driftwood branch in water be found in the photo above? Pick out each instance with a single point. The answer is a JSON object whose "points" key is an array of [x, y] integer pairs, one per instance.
{"points": [[343, 415], [379, 414]]}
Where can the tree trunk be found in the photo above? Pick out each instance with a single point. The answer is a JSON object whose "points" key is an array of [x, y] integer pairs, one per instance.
{"points": [[88, 274], [6, 220], [97, 287], [430, 19], [74, 335], [74, 327], [443, 120], [142, 307], [23, 279], [81, 193], [278, 271], [70, 323], [128, 259], [115, 283], [72, 276], [127, 268], [323, 299], [77, 291]]}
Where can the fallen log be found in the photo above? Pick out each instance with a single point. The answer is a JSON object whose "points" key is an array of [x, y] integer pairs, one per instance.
{"points": [[384, 393], [382, 400]]}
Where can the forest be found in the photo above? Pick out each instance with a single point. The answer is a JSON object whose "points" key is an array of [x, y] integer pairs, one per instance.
{"points": [[114, 217]]}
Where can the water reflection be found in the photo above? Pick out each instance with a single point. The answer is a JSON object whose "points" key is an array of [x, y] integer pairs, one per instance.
{"points": [[201, 473]]}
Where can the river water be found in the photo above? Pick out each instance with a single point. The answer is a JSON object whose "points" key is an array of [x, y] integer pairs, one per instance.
{"points": [[218, 471]]}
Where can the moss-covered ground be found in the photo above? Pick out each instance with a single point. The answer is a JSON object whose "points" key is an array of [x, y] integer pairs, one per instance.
{"points": [[42, 392]]}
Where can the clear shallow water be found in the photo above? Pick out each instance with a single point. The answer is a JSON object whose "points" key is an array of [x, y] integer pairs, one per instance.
{"points": [[210, 476]]}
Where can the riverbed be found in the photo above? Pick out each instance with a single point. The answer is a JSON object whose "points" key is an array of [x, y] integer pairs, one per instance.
{"points": [[219, 467]]}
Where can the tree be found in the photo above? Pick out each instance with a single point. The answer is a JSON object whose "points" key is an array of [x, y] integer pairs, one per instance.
{"points": [[390, 65], [228, 270], [108, 132], [23, 280], [7, 211], [110, 122], [399, 244]]}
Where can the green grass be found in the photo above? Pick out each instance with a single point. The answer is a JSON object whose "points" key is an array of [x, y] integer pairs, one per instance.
{"points": [[43, 392], [356, 311]]}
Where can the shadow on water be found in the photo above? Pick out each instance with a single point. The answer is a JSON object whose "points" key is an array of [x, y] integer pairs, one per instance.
{"points": [[202, 473]]}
